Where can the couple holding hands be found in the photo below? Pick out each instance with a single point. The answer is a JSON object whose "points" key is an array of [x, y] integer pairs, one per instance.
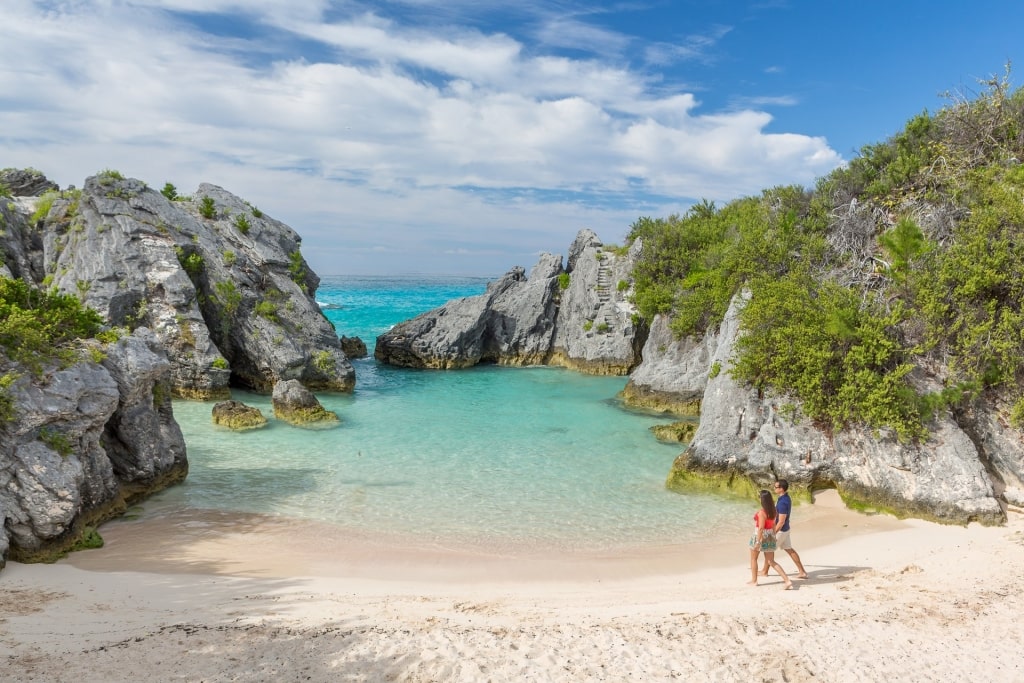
{"points": [[771, 531]]}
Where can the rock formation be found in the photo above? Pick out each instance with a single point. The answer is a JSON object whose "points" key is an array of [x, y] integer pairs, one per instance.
{"points": [[297, 405], [744, 441], [223, 286], [577, 317], [203, 291], [85, 442], [238, 416]]}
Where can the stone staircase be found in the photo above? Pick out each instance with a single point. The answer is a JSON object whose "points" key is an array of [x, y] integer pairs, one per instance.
{"points": [[606, 320]]}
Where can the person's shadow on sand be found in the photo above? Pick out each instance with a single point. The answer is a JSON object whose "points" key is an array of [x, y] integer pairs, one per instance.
{"points": [[822, 574]]}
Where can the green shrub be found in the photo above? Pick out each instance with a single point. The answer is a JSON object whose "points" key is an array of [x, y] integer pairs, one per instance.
{"points": [[267, 309], [109, 336], [841, 356], [108, 176], [1017, 414], [220, 363], [228, 258], [242, 223], [191, 262], [7, 380], [207, 208], [324, 361], [563, 281], [169, 191], [56, 441], [297, 269], [229, 299], [38, 326], [44, 205]]}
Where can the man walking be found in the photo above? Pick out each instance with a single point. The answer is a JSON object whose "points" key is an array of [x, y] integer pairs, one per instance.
{"points": [[783, 508]]}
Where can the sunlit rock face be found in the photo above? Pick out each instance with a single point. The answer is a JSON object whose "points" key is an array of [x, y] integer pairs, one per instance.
{"points": [[576, 316]]}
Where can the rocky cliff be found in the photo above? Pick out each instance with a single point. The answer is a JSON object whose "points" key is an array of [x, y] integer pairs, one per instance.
{"points": [[83, 443], [969, 468], [200, 293], [223, 286], [577, 316]]}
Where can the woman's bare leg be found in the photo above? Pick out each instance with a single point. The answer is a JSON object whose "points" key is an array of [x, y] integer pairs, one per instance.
{"points": [[770, 559], [753, 567]]}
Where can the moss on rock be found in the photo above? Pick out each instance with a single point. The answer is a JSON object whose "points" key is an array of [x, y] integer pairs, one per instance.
{"points": [[677, 432]]}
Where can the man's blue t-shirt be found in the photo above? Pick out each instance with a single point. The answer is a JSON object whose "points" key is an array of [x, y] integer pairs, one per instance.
{"points": [[783, 506]]}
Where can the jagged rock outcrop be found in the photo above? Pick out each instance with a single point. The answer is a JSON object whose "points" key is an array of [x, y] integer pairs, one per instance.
{"points": [[745, 440], [213, 289], [238, 416], [533, 320], [512, 323], [596, 329], [223, 286], [295, 404], [674, 372], [26, 182], [85, 442], [354, 347]]}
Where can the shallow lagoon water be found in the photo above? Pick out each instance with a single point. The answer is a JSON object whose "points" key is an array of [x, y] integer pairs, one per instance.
{"points": [[492, 457]]}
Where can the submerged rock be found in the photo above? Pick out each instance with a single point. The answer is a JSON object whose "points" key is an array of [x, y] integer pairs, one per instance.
{"points": [[677, 432], [297, 405], [354, 347], [238, 416]]}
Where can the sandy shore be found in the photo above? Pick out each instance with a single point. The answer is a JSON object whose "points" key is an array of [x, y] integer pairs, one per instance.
{"points": [[225, 600]]}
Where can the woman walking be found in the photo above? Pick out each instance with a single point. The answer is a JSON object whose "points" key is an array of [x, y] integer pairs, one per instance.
{"points": [[763, 539]]}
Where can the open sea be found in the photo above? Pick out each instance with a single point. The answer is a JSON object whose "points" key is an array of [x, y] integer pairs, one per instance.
{"points": [[490, 457]]}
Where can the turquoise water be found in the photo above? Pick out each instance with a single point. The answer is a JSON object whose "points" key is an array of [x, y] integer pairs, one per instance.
{"points": [[487, 457]]}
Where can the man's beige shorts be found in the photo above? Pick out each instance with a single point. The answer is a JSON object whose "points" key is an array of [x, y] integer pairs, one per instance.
{"points": [[782, 540]]}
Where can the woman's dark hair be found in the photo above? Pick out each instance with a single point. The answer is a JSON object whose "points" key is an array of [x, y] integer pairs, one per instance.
{"points": [[767, 504]]}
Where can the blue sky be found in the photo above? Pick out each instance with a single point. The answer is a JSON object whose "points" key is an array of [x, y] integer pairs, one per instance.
{"points": [[467, 137]]}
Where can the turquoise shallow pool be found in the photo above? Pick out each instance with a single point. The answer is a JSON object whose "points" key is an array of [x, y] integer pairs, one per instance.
{"points": [[525, 457]]}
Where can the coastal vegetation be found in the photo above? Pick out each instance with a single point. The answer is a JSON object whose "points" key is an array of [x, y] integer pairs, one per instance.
{"points": [[39, 326], [207, 209], [905, 262]]}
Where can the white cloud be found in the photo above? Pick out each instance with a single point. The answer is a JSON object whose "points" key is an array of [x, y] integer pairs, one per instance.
{"points": [[374, 152]]}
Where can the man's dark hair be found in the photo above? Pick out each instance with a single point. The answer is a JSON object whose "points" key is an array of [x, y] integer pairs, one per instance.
{"points": [[783, 484]]}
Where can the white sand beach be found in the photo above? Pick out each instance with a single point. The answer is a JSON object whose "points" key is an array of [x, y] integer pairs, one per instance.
{"points": [[885, 600]]}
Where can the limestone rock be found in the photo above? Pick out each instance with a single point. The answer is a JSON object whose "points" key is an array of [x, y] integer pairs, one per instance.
{"points": [[238, 416], [511, 324], [673, 373], [597, 327], [297, 405], [20, 242], [354, 347], [531, 320], [85, 441], [741, 433], [26, 182], [227, 293]]}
